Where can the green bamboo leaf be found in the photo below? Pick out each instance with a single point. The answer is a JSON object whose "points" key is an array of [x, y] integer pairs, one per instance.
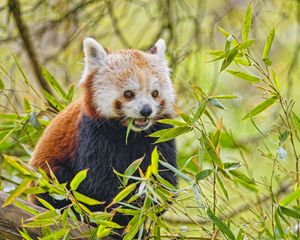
{"points": [[186, 117], [131, 169], [64, 218], [250, 187], [278, 224], [79, 177], [154, 160], [34, 121], [125, 192], [218, 58], [216, 137], [289, 212], [267, 61], [71, 93], [27, 106], [20, 69], [223, 96], [17, 127], [261, 107], [103, 232], [53, 101], [275, 79], [72, 215], [229, 58], [9, 116], [203, 174], [296, 121], [135, 225], [224, 173], [283, 136], [25, 234], [45, 203], [246, 44], [56, 235], [50, 214], [228, 43], [224, 32], [268, 44], [244, 76], [231, 165], [216, 103], [247, 22], [176, 171], [26, 207], [52, 82], [210, 148], [129, 126], [242, 177], [227, 34], [240, 235], [291, 197], [131, 212], [87, 200], [159, 133], [39, 224], [109, 224], [200, 110], [220, 182], [172, 122], [216, 52], [222, 226], [17, 164], [242, 61], [17, 192], [165, 183], [156, 232], [96, 216], [1, 85], [172, 133]]}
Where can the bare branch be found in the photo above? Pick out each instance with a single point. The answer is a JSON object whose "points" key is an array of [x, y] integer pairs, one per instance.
{"points": [[14, 8]]}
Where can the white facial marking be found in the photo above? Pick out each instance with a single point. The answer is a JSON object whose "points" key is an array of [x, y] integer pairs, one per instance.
{"points": [[94, 57], [160, 48]]}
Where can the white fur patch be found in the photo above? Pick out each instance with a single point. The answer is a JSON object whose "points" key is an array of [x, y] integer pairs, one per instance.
{"points": [[160, 48], [94, 57]]}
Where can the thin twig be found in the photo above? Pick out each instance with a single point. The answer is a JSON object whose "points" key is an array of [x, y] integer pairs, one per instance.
{"points": [[14, 7]]}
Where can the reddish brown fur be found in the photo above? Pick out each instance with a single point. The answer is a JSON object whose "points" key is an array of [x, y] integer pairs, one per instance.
{"points": [[87, 99], [59, 139], [61, 135], [139, 59], [118, 105]]}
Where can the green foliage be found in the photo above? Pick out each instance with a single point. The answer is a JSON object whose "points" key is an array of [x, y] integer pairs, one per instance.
{"points": [[247, 23], [79, 177]]}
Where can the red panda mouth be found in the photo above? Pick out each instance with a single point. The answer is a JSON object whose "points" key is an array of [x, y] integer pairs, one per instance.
{"points": [[141, 122]]}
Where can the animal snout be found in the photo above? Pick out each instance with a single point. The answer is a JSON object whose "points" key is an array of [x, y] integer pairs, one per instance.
{"points": [[146, 111]]}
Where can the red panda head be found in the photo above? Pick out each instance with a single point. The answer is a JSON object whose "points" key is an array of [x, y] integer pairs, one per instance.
{"points": [[128, 83]]}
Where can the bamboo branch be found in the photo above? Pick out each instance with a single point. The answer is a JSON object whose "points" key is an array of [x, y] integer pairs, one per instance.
{"points": [[11, 219], [200, 220], [14, 7]]}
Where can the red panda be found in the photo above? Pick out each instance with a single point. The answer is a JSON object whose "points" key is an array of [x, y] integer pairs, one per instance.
{"points": [[90, 133]]}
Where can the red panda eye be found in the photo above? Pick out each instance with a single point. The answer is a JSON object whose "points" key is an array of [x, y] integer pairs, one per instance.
{"points": [[155, 93], [128, 94]]}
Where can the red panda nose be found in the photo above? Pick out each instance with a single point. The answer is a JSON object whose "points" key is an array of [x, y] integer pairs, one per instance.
{"points": [[146, 111]]}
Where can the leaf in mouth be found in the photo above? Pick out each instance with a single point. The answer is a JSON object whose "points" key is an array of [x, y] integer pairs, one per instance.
{"points": [[129, 126]]}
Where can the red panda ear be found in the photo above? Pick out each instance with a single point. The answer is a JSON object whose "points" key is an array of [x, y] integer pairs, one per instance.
{"points": [[94, 57], [159, 49]]}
